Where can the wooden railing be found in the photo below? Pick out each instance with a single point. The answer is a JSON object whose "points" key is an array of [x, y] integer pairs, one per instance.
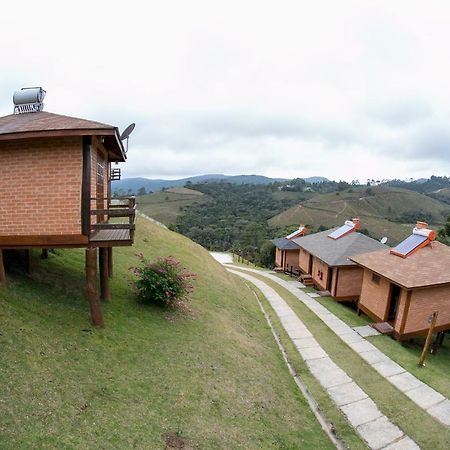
{"points": [[116, 207]]}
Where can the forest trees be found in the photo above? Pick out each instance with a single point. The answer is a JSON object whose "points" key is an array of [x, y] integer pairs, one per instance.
{"points": [[236, 219], [444, 233]]}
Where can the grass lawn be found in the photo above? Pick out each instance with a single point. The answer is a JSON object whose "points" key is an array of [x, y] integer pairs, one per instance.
{"points": [[437, 367], [436, 371], [211, 376], [344, 311], [416, 423]]}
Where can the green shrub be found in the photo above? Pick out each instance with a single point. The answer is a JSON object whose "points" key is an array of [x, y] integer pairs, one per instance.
{"points": [[163, 281]]}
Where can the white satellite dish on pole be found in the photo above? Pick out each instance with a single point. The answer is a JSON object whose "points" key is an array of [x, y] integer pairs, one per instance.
{"points": [[383, 240]]}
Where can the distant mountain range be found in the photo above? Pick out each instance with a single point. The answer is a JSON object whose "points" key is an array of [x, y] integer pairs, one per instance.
{"points": [[134, 184]]}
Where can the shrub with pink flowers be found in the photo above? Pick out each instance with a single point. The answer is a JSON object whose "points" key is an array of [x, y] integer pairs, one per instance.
{"points": [[163, 281]]}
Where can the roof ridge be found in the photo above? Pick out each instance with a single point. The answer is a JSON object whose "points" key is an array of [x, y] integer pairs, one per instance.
{"points": [[75, 118]]}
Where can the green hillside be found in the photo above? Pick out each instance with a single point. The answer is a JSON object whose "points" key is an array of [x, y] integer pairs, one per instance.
{"points": [[165, 206], [383, 211], [441, 194], [211, 376]]}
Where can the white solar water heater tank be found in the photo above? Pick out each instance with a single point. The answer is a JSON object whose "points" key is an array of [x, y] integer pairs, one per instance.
{"points": [[422, 232], [29, 95]]}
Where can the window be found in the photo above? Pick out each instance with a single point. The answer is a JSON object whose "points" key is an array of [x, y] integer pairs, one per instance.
{"points": [[375, 278]]}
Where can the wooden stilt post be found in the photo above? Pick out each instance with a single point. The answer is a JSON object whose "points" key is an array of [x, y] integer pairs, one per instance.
{"points": [[2, 268], [27, 262], [104, 280], [433, 319], [91, 284], [44, 254], [110, 262]]}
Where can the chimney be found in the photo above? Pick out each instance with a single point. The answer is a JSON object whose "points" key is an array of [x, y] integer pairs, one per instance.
{"points": [[357, 222], [421, 225]]}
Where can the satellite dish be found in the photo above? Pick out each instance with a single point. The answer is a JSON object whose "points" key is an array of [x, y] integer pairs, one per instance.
{"points": [[383, 240], [128, 130], [126, 134]]}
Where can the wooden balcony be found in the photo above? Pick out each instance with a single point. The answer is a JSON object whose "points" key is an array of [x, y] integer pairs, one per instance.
{"points": [[110, 231]]}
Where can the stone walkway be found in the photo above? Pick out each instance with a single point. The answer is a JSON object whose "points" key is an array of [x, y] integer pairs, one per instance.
{"points": [[361, 411], [222, 257], [420, 393]]}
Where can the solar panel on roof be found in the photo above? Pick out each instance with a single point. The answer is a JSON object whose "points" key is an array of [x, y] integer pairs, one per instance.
{"points": [[409, 244], [336, 234]]}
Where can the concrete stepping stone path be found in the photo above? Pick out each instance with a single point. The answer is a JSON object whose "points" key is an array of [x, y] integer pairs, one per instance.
{"points": [[361, 411], [420, 393]]}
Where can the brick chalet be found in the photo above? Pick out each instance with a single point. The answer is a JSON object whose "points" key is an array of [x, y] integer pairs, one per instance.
{"points": [[286, 251], [323, 258], [55, 191], [405, 285]]}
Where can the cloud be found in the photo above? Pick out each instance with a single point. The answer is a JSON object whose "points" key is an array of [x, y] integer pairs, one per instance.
{"points": [[293, 88], [400, 112]]}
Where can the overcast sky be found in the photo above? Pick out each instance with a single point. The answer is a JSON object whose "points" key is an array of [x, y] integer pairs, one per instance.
{"points": [[343, 89]]}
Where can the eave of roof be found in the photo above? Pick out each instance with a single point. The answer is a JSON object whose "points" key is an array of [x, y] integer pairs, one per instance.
{"points": [[423, 269], [45, 124], [285, 244]]}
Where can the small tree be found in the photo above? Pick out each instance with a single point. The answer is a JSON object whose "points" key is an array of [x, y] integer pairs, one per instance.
{"points": [[163, 281], [141, 191], [267, 254]]}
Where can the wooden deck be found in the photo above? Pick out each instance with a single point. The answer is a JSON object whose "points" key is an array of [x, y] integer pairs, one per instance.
{"points": [[111, 237], [113, 232]]}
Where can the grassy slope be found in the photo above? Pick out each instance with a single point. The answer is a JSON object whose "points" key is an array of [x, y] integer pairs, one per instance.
{"points": [[213, 375], [441, 194], [331, 210], [166, 206]]}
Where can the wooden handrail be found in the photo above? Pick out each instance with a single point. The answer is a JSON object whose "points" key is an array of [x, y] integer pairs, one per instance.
{"points": [[119, 212], [125, 207]]}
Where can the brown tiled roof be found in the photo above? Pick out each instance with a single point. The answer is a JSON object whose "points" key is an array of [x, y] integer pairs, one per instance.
{"points": [[336, 252], [429, 266], [32, 125], [45, 121]]}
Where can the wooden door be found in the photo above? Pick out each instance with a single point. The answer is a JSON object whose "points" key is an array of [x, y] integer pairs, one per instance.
{"points": [[393, 302]]}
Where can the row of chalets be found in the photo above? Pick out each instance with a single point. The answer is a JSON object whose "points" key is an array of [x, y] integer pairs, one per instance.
{"points": [[399, 288]]}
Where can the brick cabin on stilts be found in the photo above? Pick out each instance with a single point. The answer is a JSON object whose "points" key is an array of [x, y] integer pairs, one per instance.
{"points": [[55, 189]]}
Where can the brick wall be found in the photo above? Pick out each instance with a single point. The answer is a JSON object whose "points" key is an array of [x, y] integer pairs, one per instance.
{"points": [[320, 273], [423, 303], [278, 255], [349, 282], [304, 261], [374, 297], [40, 186], [400, 309], [292, 259]]}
